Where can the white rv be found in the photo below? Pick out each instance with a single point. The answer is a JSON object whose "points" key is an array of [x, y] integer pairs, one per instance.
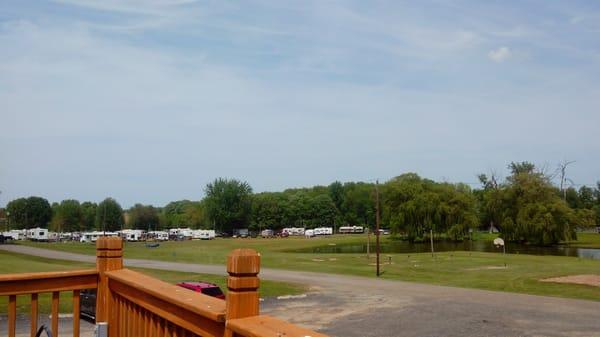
{"points": [[267, 233], [37, 234], [309, 233], [53, 236], [132, 235], [351, 229], [159, 235], [203, 234], [293, 231], [180, 233], [93, 236], [323, 231], [16, 234]]}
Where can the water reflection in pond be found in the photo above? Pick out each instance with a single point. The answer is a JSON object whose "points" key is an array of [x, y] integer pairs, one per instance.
{"points": [[404, 247]]}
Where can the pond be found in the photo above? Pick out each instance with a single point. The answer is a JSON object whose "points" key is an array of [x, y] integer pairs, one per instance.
{"points": [[404, 247]]}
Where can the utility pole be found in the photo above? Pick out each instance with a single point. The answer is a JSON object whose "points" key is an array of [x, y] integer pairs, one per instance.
{"points": [[368, 243], [431, 240], [377, 220]]}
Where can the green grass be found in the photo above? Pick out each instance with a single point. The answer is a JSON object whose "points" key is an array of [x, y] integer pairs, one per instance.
{"points": [[586, 240], [461, 269], [17, 263]]}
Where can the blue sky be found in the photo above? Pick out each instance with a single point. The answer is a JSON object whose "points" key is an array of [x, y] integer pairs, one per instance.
{"points": [[147, 101]]}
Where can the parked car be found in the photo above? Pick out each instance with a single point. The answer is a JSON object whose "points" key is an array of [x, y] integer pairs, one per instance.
{"points": [[87, 304], [205, 288]]}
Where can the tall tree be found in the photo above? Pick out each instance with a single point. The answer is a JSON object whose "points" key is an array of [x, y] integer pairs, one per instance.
{"points": [[109, 215], [184, 213], [29, 213], [88, 215], [68, 217], [532, 211], [142, 217], [228, 203]]}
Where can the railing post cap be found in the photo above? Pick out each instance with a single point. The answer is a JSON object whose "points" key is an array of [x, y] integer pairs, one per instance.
{"points": [[109, 242], [243, 261]]}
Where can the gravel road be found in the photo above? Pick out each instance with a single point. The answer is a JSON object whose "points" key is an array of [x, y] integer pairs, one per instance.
{"points": [[362, 307]]}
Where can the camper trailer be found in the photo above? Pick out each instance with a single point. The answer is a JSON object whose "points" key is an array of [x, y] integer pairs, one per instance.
{"points": [[203, 234], [93, 236], [37, 234], [159, 235], [351, 229], [309, 233], [132, 235], [53, 236], [293, 231], [323, 231], [16, 234], [180, 234]]}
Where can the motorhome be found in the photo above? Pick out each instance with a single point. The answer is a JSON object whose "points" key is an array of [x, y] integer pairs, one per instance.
{"points": [[351, 229], [293, 231], [309, 233], [323, 231], [93, 236]]}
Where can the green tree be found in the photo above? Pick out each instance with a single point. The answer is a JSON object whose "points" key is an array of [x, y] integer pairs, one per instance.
{"points": [[414, 206], [88, 216], [184, 213], [67, 217], [109, 215], [142, 217], [586, 197], [228, 203], [29, 213], [17, 213], [268, 211], [358, 206], [532, 210]]}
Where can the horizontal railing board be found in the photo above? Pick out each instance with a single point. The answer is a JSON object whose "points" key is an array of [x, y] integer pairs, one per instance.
{"points": [[208, 306], [267, 326], [31, 283]]}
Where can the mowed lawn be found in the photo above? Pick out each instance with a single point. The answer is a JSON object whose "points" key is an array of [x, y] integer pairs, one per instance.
{"points": [[17, 263], [586, 240], [462, 269]]}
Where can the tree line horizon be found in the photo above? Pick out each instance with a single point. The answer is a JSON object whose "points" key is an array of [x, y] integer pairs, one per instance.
{"points": [[525, 206]]}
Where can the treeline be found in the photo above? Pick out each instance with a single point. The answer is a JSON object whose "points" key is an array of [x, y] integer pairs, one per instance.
{"points": [[525, 206]]}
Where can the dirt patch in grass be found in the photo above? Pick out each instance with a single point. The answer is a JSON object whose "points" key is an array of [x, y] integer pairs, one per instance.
{"points": [[588, 280], [486, 268]]}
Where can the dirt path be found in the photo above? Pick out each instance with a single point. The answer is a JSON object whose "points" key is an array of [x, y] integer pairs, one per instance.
{"points": [[357, 306]]}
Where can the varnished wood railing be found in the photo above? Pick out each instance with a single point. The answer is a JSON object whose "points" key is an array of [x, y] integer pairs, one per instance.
{"points": [[13, 285], [144, 306], [136, 305]]}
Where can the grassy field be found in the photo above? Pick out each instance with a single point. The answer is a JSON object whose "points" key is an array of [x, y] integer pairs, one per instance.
{"points": [[17, 263], [462, 269], [586, 240]]}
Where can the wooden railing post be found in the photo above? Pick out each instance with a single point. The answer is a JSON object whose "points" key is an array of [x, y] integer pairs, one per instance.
{"points": [[109, 256], [243, 266]]}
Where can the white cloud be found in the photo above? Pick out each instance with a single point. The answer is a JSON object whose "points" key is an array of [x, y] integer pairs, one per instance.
{"points": [[500, 55]]}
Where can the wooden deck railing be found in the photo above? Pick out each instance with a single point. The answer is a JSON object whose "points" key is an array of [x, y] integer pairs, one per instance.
{"points": [[12, 285], [137, 305]]}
